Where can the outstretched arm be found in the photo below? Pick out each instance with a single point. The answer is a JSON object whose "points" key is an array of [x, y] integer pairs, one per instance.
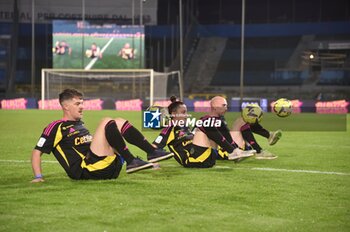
{"points": [[36, 166]]}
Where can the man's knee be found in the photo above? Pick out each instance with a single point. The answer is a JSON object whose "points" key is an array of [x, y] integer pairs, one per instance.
{"points": [[113, 136], [120, 122], [104, 121]]}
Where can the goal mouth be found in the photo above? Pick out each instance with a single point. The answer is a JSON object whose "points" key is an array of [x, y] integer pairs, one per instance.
{"points": [[111, 84]]}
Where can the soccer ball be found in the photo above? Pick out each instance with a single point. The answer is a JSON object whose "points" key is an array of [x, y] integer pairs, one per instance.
{"points": [[282, 107], [252, 113]]}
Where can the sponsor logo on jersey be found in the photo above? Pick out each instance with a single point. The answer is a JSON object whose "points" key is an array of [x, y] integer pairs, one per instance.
{"points": [[73, 133], [67, 127], [83, 139]]}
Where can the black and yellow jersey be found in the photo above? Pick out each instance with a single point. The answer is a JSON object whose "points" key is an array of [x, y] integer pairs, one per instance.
{"points": [[69, 141], [174, 136]]}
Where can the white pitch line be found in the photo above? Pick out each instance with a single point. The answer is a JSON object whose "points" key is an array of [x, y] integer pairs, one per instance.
{"points": [[26, 161], [220, 167], [301, 171], [276, 169], [286, 170], [93, 61]]}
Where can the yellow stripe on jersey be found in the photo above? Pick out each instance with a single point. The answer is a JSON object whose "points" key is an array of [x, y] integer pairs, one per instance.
{"points": [[171, 136], [177, 154], [98, 165], [80, 154], [201, 158], [58, 136], [223, 154], [59, 149]]}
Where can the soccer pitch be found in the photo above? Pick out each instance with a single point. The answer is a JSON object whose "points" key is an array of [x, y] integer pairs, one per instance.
{"points": [[110, 58], [306, 189]]}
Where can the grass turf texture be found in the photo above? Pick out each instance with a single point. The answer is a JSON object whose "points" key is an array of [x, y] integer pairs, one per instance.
{"points": [[229, 197]]}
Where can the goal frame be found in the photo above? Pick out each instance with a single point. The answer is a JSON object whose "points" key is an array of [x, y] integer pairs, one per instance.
{"points": [[151, 71]]}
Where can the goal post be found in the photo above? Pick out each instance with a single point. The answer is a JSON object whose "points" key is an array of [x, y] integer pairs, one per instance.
{"points": [[118, 84]]}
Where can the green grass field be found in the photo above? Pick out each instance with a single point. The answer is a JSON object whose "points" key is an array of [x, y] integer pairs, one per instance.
{"points": [[306, 189], [110, 58]]}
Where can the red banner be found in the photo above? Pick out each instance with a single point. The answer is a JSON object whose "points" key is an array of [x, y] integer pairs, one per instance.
{"points": [[129, 105], [52, 104], [332, 107], [14, 104]]}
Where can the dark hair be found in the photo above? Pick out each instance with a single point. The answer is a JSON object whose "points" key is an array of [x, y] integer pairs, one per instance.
{"points": [[174, 104], [68, 94]]}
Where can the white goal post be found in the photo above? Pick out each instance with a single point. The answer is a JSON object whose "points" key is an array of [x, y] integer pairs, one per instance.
{"points": [[120, 84]]}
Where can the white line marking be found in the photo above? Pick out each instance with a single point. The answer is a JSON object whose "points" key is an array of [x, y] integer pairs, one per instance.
{"points": [[27, 161], [301, 171], [286, 170], [276, 170], [93, 61], [219, 167]]}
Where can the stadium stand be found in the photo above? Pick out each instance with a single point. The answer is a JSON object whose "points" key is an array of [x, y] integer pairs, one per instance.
{"points": [[205, 62], [277, 60]]}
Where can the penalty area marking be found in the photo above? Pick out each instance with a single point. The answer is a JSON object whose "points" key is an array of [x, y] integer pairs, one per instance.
{"points": [[218, 167], [93, 61]]}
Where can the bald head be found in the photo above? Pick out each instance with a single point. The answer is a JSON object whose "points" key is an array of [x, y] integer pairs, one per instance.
{"points": [[218, 106], [217, 100]]}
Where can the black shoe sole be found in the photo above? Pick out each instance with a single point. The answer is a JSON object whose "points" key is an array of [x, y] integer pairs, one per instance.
{"points": [[161, 158], [135, 169]]}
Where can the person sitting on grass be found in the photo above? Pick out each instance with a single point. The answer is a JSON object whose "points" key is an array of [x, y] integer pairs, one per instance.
{"points": [[246, 130], [222, 136], [94, 52], [127, 52], [196, 149], [61, 48], [84, 156]]}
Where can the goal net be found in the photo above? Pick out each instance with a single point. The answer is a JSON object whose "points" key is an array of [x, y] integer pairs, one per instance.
{"points": [[119, 84]]}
